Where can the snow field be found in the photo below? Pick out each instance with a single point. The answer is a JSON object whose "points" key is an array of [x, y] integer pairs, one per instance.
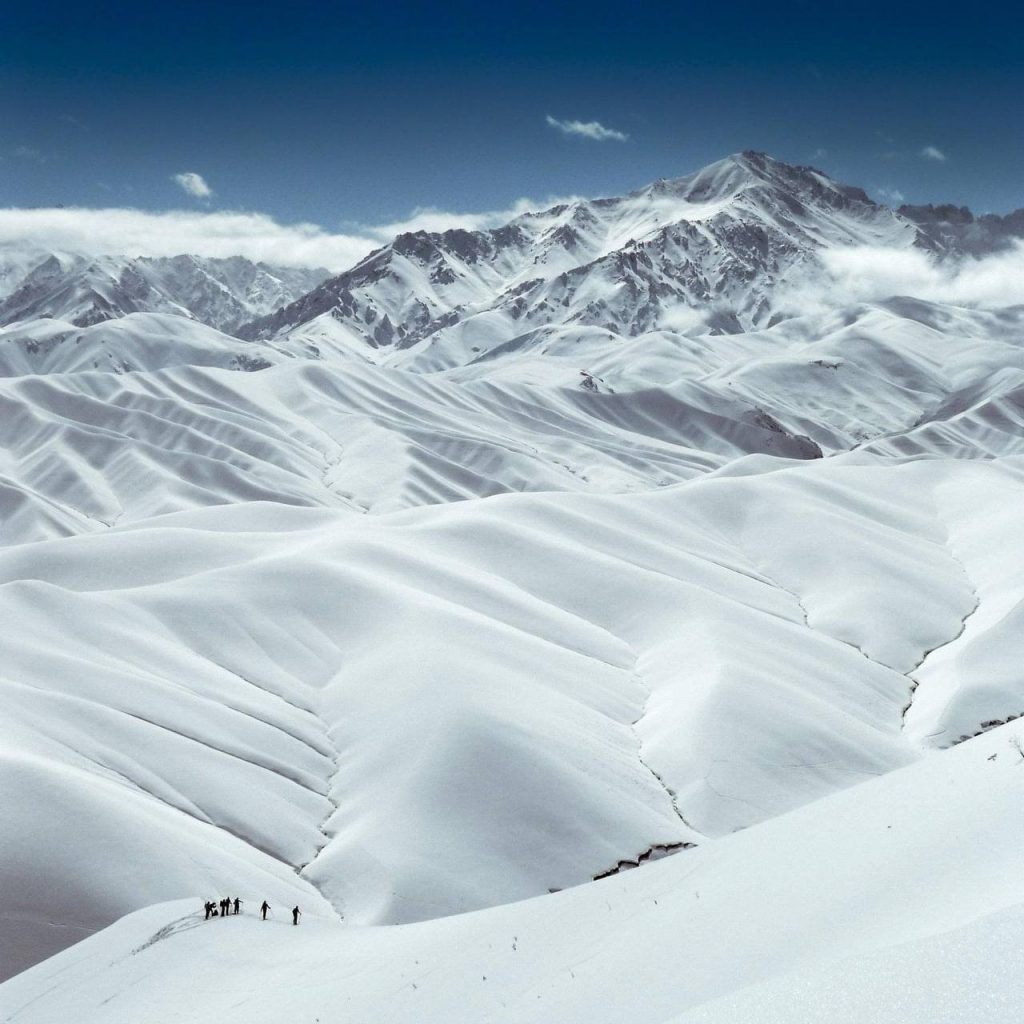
{"points": [[825, 911], [403, 707]]}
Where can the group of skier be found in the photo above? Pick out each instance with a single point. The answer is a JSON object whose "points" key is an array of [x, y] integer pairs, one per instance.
{"points": [[227, 906]]}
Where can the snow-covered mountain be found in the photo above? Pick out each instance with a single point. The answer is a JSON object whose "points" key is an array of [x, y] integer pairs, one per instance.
{"points": [[955, 229], [718, 242], [523, 558], [85, 290]]}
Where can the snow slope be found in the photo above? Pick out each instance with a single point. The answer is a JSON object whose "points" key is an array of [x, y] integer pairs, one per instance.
{"points": [[85, 450], [86, 447], [526, 557], [822, 914], [902, 376], [619, 656], [137, 341]]}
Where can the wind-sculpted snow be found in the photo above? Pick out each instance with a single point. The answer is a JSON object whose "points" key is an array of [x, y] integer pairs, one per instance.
{"points": [[88, 450], [139, 341], [504, 562], [405, 708], [973, 682], [819, 915]]}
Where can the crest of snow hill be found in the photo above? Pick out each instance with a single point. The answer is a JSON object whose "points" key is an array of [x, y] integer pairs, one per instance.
{"points": [[227, 669]]}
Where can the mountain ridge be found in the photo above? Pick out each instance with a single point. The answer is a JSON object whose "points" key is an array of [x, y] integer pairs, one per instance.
{"points": [[87, 290], [713, 249], [687, 241]]}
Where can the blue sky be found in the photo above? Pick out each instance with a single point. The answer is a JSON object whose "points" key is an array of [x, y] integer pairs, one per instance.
{"points": [[344, 115]]}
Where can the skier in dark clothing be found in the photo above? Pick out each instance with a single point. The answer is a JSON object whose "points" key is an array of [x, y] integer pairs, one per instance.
{"points": [[208, 907], [264, 909], [225, 908], [238, 903], [295, 915]]}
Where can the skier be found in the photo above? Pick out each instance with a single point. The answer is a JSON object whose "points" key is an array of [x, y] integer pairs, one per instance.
{"points": [[225, 907], [295, 915], [264, 909], [238, 903], [208, 907]]}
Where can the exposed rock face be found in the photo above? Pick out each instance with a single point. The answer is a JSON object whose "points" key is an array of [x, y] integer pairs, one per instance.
{"points": [[718, 241], [955, 230]]}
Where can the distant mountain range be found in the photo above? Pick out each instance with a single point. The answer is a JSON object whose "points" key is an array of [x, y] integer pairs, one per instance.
{"points": [[86, 290], [709, 250], [954, 229]]}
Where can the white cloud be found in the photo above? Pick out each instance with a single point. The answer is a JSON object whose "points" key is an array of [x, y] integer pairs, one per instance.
{"points": [[193, 184], [872, 274], [587, 130], [890, 196], [129, 232], [430, 218], [28, 153], [934, 153]]}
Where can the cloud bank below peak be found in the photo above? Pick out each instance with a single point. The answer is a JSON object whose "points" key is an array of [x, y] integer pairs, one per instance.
{"points": [[119, 231], [128, 232], [875, 273]]}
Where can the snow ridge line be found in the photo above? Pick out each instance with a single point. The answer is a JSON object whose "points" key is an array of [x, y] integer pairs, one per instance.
{"points": [[915, 683], [336, 768], [329, 797], [656, 852], [950, 549], [330, 750], [807, 622], [909, 674], [671, 793]]}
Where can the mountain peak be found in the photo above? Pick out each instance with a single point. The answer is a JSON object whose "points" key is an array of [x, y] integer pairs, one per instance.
{"points": [[735, 173], [724, 235]]}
